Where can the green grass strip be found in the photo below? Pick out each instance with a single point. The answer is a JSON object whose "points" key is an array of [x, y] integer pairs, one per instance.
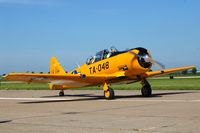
{"points": [[157, 84]]}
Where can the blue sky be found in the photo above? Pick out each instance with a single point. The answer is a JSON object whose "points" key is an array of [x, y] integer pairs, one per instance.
{"points": [[31, 31]]}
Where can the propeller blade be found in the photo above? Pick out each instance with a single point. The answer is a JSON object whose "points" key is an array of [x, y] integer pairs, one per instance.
{"points": [[156, 63]]}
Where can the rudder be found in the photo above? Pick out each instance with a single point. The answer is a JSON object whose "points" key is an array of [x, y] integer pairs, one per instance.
{"points": [[55, 67]]}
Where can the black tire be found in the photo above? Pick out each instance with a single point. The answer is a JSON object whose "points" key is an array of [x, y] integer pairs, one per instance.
{"points": [[146, 91], [171, 77], [109, 94], [61, 93]]}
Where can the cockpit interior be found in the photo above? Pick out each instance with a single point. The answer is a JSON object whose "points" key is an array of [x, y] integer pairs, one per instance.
{"points": [[103, 54]]}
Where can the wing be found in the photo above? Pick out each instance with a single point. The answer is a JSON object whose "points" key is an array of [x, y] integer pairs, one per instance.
{"points": [[167, 71], [72, 80]]}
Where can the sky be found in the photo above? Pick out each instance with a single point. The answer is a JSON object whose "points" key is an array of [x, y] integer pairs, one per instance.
{"points": [[32, 31]]}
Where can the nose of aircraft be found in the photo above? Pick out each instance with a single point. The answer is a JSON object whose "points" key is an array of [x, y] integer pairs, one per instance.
{"points": [[145, 59]]}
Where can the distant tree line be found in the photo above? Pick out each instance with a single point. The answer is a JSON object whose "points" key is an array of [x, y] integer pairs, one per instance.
{"points": [[185, 72], [193, 71]]}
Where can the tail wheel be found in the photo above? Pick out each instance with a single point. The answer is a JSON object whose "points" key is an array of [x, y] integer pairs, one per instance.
{"points": [[61, 93], [109, 94], [146, 91]]}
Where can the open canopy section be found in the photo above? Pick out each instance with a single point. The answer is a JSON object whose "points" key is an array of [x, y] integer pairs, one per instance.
{"points": [[103, 54]]}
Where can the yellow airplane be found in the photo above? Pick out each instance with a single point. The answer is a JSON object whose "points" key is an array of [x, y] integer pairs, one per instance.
{"points": [[105, 68]]}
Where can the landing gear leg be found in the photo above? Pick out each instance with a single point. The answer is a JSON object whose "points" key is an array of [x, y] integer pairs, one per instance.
{"points": [[108, 92], [146, 88], [61, 93]]}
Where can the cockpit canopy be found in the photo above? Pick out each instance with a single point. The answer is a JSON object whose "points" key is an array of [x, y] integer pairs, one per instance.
{"points": [[103, 54]]}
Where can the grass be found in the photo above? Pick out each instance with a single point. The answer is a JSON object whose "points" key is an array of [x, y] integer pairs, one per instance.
{"points": [[157, 84]]}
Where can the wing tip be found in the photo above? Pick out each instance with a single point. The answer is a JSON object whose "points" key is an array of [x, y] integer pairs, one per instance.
{"points": [[168, 71]]}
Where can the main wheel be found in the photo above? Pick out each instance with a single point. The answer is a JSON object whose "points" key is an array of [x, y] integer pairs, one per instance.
{"points": [[109, 94], [61, 93], [146, 91]]}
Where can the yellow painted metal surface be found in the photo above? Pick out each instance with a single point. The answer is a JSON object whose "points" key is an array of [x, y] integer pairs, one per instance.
{"points": [[55, 67], [113, 65]]}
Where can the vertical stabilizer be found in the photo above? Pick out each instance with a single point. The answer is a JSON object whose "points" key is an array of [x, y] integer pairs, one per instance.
{"points": [[55, 67]]}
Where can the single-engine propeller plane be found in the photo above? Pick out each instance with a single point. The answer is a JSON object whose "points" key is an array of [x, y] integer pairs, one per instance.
{"points": [[105, 68]]}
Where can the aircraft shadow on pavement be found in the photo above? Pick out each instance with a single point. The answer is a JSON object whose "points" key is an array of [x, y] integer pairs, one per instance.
{"points": [[92, 97], [86, 98], [152, 96]]}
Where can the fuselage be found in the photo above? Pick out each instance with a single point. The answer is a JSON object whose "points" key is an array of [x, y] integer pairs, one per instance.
{"points": [[122, 61]]}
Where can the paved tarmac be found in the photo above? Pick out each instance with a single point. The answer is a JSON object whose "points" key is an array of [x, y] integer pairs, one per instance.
{"points": [[83, 111]]}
